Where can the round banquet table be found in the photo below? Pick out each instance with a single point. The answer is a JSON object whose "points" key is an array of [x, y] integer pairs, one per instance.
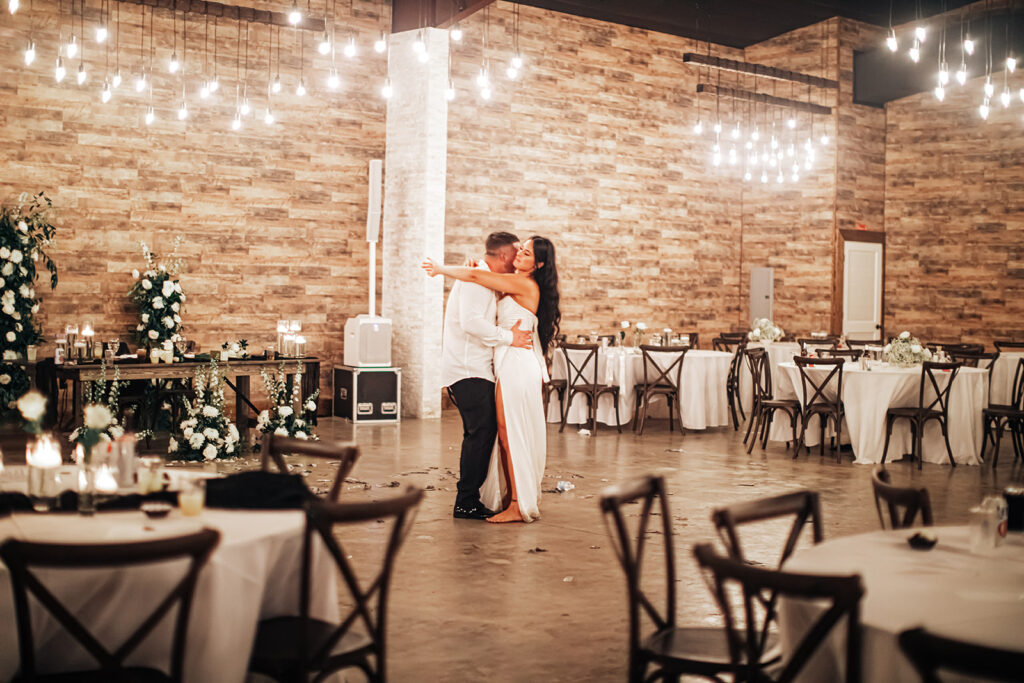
{"points": [[253, 574], [1003, 374], [867, 394], [947, 590], [702, 387]]}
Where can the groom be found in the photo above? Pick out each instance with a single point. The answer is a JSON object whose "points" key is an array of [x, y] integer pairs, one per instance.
{"points": [[469, 337]]}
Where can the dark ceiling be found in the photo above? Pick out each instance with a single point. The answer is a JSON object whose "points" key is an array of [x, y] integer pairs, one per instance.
{"points": [[739, 23]]}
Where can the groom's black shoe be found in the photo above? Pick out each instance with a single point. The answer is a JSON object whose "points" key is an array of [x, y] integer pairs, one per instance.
{"points": [[478, 512]]}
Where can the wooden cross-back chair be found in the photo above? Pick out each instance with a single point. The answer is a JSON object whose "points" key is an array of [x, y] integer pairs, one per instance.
{"points": [[997, 417], [910, 500], [22, 557], [582, 379], [746, 647], [815, 400], [294, 648], [660, 381], [922, 413], [762, 413], [274, 447], [734, 343], [670, 649]]}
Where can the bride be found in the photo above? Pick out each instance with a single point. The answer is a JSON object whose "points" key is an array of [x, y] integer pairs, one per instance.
{"points": [[529, 296]]}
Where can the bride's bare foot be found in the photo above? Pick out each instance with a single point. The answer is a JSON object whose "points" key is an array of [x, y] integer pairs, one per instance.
{"points": [[509, 514]]}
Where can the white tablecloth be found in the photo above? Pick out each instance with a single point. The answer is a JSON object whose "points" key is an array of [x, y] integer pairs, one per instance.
{"points": [[253, 574], [868, 394], [1002, 376], [947, 590], [703, 397]]}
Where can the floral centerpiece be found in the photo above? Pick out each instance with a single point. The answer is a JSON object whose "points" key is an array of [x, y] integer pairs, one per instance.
{"points": [[206, 433], [290, 414], [157, 295], [236, 349], [25, 232], [100, 417], [32, 407], [764, 330], [905, 351], [638, 331]]}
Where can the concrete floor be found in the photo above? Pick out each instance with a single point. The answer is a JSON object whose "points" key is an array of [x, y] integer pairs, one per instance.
{"points": [[470, 600]]}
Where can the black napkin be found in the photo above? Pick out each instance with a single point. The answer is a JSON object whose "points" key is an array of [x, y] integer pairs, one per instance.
{"points": [[257, 491]]}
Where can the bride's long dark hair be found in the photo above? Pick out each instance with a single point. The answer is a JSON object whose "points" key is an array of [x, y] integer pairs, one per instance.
{"points": [[546, 277]]}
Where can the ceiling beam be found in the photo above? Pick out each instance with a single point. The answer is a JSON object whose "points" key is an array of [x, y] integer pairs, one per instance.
{"points": [[737, 94], [409, 15], [217, 9], [761, 70]]}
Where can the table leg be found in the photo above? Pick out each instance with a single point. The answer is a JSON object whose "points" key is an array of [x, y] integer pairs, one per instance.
{"points": [[241, 408], [76, 403]]}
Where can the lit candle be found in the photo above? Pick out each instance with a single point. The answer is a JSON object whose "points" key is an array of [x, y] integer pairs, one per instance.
{"points": [[288, 345], [296, 326], [105, 481], [300, 346], [87, 338], [44, 455]]}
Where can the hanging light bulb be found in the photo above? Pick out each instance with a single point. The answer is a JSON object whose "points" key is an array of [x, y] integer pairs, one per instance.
{"points": [[1004, 97], [780, 178], [718, 127], [60, 71], [150, 116], [891, 41], [116, 80], [791, 150], [387, 91], [698, 128], [920, 33], [943, 74], [983, 110], [294, 14], [30, 53], [81, 73], [961, 74], [1011, 63], [71, 49], [940, 93], [101, 33], [332, 80], [174, 64], [485, 93], [204, 91], [748, 145], [456, 33], [12, 5], [183, 111], [807, 164], [325, 44], [968, 45], [214, 84], [736, 132], [755, 135], [422, 57], [764, 176], [746, 176], [915, 52], [268, 118], [418, 45], [774, 143], [300, 89], [989, 88], [350, 48], [824, 139], [511, 72], [482, 79], [449, 94], [236, 122], [772, 161], [140, 82], [716, 159], [244, 109], [381, 43], [753, 159], [791, 123], [275, 87], [105, 93], [517, 60], [732, 155]]}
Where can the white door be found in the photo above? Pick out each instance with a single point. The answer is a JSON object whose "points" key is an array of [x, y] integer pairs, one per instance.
{"points": [[862, 290]]}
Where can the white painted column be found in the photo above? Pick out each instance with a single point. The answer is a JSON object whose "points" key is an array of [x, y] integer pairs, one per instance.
{"points": [[414, 194]]}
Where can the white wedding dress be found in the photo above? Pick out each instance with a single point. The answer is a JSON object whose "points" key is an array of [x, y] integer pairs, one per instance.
{"points": [[520, 373]]}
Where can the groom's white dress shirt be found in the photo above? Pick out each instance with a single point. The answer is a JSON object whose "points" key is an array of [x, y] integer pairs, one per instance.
{"points": [[470, 333]]}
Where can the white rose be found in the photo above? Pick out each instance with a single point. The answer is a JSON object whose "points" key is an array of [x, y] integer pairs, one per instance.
{"points": [[172, 445], [915, 348], [150, 273], [135, 274], [23, 226], [196, 440], [301, 435], [24, 273], [210, 452], [35, 308], [7, 269], [641, 326], [281, 431], [145, 317], [904, 335], [140, 327], [175, 306], [146, 284], [177, 288], [18, 327], [187, 433], [9, 310], [177, 318], [887, 348], [182, 298], [311, 405], [284, 411], [11, 336], [153, 334], [32, 405], [625, 324], [233, 430], [168, 288], [97, 416], [163, 268], [3, 282], [263, 420], [5, 379], [117, 431], [35, 254], [168, 322], [5, 253], [16, 256], [23, 290], [211, 433], [230, 448], [210, 411], [158, 303], [10, 355], [300, 423]]}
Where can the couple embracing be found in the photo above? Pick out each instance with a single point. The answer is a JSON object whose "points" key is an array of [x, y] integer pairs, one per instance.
{"points": [[501, 317]]}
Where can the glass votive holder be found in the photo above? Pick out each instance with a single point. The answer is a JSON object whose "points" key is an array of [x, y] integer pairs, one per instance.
{"points": [[192, 497], [295, 326], [150, 478], [31, 353]]}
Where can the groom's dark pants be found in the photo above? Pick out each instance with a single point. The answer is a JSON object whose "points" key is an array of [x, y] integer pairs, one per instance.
{"points": [[474, 397]]}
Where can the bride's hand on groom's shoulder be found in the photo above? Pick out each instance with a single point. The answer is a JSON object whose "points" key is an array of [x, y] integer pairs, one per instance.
{"points": [[471, 263]]}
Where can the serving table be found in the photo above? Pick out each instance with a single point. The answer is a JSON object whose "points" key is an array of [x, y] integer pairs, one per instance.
{"points": [[978, 598], [253, 574]]}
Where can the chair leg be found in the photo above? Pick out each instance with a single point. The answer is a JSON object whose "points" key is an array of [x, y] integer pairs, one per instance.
{"points": [[643, 414], [671, 427], [888, 433], [565, 411], [822, 422], [754, 419], [754, 414], [766, 430], [592, 408], [986, 434], [839, 438], [618, 420], [945, 435]]}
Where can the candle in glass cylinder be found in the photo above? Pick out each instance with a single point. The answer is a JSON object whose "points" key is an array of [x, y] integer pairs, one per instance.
{"points": [[87, 337], [79, 350], [282, 329], [295, 326], [300, 346], [72, 334], [105, 481], [288, 345]]}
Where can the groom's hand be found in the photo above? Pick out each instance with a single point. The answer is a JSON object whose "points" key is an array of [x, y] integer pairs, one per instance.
{"points": [[522, 339]]}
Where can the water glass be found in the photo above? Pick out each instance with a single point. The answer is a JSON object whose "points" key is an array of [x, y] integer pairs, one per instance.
{"points": [[192, 497], [149, 475]]}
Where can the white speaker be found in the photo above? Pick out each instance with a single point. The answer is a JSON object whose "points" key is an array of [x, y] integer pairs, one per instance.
{"points": [[373, 205]]}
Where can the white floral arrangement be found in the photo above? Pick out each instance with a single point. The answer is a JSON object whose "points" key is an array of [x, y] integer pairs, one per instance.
{"points": [[157, 295], [206, 433], [638, 330], [100, 417], [290, 414], [764, 330], [905, 351]]}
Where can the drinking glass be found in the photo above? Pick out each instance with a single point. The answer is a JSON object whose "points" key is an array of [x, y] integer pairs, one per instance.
{"points": [[192, 497], [150, 478]]}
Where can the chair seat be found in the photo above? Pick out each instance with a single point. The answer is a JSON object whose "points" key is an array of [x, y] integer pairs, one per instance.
{"points": [[780, 403], [557, 383], [593, 388], [127, 675], [275, 651], [911, 412], [656, 388], [697, 650], [996, 410]]}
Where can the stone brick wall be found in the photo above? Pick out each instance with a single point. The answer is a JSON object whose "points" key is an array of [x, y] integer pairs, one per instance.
{"points": [[273, 217]]}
